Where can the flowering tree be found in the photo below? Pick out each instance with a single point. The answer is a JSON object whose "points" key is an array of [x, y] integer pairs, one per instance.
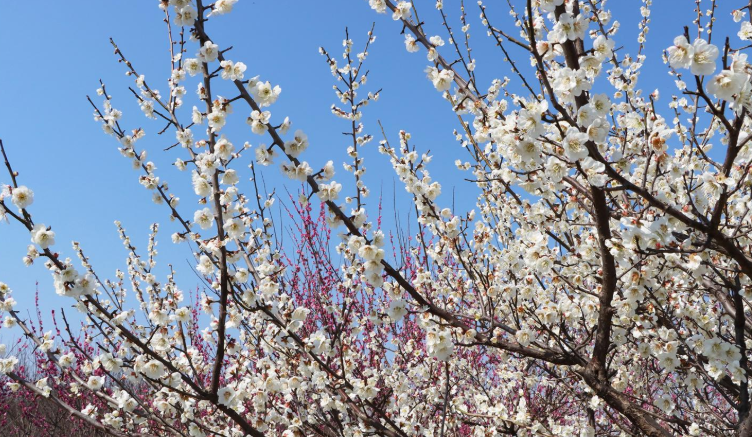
{"points": [[600, 287]]}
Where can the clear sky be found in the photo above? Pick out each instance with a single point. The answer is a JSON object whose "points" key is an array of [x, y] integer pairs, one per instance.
{"points": [[53, 53]]}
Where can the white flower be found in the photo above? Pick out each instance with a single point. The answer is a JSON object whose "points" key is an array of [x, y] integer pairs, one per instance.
{"points": [[22, 197], [555, 169], [185, 16], [184, 137], [153, 369], [524, 337], [234, 228], [209, 52], [746, 31], [216, 119], [598, 130], [370, 252], [224, 148], [264, 156], [436, 41], [726, 84], [7, 365], [42, 386], [665, 403], [442, 80], [694, 429], [569, 27], [574, 145], [147, 106], [680, 54], [258, 122], [401, 11], [285, 126], [602, 47], [182, 314], [205, 265], [43, 237], [601, 104], [298, 172], [264, 93], [230, 177], [241, 275], [232, 71], [318, 342], [66, 360], [192, 66], [571, 81], [222, 7], [439, 344], [47, 341], [411, 44], [203, 218], [85, 285], [550, 5], [9, 322], [178, 75], [298, 144], [703, 57], [208, 163], [201, 186], [226, 396], [668, 361], [329, 192], [397, 309], [378, 5], [95, 382], [328, 171]]}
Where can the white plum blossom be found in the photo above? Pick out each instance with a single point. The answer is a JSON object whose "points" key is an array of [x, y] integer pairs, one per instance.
{"points": [[298, 172], [42, 237], [153, 369], [550, 5], [726, 84], [680, 55], [22, 197], [234, 227], [440, 344], [329, 192], [208, 52], [43, 387], [258, 122], [703, 57], [411, 44], [378, 5], [221, 7], [95, 382], [192, 66], [603, 47], [66, 360], [442, 80], [575, 147], [263, 92], [217, 119], [397, 309], [297, 145], [746, 31], [186, 16], [232, 70], [401, 10], [204, 218]]}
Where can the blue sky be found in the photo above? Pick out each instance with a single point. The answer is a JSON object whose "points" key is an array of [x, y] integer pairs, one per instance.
{"points": [[54, 54]]}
